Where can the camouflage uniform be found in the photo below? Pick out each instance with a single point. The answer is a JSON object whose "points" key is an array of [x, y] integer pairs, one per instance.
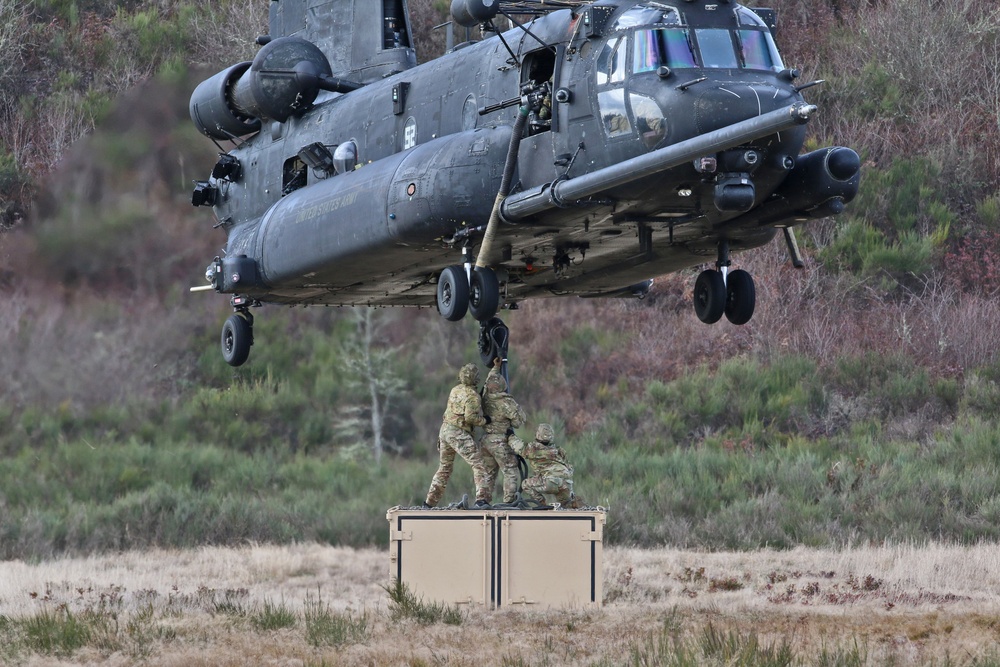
{"points": [[505, 415], [553, 473], [464, 412]]}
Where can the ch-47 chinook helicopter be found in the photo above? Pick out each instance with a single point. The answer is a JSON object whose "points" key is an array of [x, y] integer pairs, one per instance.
{"points": [[582, 152]]}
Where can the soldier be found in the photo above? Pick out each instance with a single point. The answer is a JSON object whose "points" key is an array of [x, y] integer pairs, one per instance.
{"points": [[464, 412], [553, 473], [504, 415]]}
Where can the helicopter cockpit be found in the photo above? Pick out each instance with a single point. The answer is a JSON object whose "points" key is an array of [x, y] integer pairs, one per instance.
{"points": [[649, 45], [662, 39]]}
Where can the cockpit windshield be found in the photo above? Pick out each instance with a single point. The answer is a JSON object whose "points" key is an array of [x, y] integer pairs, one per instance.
{"points": [[676, 46], [661, 47]]}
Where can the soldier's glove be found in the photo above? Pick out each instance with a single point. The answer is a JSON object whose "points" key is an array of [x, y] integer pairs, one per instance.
{"points": [[489, 420], [510, 432]]}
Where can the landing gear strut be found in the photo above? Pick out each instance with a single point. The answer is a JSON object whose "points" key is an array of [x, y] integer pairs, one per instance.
{"points": [[722, 292], [237, 333]]}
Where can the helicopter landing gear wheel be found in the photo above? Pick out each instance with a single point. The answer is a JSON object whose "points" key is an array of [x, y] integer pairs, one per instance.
{"points": [[237, 337], [453, 293], [484, 293], [741, 296], [709, 296]]}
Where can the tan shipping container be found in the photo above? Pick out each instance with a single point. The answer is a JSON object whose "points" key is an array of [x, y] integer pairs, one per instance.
{"points": [[493, 558]]}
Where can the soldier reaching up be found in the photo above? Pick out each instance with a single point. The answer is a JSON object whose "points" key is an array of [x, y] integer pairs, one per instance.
{"points": [[464, 413], [504, 415], [553, 473]]}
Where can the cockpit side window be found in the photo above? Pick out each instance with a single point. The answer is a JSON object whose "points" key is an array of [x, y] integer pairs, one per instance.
{"points": [[613, 113], [756, 52], [611, 62], [756, 42], [611, 65]]}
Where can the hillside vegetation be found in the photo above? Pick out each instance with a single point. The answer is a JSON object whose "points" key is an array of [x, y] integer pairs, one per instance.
{"points": [[859, 404]]}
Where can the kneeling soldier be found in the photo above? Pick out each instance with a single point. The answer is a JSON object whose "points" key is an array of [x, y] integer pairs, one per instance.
{"points": [[552, 472]]}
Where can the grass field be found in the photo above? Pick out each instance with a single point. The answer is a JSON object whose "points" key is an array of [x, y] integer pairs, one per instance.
{"points": [[320, 605]]}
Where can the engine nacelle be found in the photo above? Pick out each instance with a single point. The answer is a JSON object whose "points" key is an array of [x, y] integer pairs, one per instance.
{"points": [[283, 81], [212, 110]]}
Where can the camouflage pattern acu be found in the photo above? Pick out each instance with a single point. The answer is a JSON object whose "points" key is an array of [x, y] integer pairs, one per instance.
{"points": [[545, 459], [500, 407], [469, 375], [463, 413], [552, 472], [452, 440], [505, 414], [495, 382], [465, 409], [497, 456], [534, 487]]}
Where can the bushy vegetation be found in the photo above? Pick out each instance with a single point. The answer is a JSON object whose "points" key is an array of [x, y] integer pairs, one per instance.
{"points": [[859, 404], [740, 457]]}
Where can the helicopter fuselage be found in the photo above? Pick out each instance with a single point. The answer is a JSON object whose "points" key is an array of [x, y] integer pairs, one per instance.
{"points": [[365, 196], [584, 153]]}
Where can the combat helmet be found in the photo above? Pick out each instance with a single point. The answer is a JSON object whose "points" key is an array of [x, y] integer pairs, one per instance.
{"points": [[495, 384], [545, 433], [469, 375]]}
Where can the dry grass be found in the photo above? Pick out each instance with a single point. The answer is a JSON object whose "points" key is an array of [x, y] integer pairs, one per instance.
{"points": [[905, 604]]}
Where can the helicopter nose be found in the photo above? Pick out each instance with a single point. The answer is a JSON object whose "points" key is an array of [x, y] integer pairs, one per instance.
{"points": [[730, 103]]}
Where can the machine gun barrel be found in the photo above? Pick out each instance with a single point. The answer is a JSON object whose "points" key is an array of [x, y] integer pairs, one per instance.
{"points": [[530, 202]]}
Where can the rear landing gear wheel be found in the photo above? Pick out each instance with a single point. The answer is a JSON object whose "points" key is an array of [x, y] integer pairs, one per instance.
{"points": [[237, 337], [741, 297], [484, 293], [453, 293], [709, 296]]}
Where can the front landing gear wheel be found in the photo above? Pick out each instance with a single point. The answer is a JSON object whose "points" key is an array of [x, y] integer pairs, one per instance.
{"points": [[237, 337], [709, 296], [741, 297], [453, 293], [484, 293]]}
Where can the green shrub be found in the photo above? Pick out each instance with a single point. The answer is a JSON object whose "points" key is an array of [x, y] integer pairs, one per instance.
{"points": [[325, 627], [404, 604], [57, 632], [272, 616]]}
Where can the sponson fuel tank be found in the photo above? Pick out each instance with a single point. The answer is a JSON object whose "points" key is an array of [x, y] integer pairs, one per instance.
{"points": [[429, 192]]}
